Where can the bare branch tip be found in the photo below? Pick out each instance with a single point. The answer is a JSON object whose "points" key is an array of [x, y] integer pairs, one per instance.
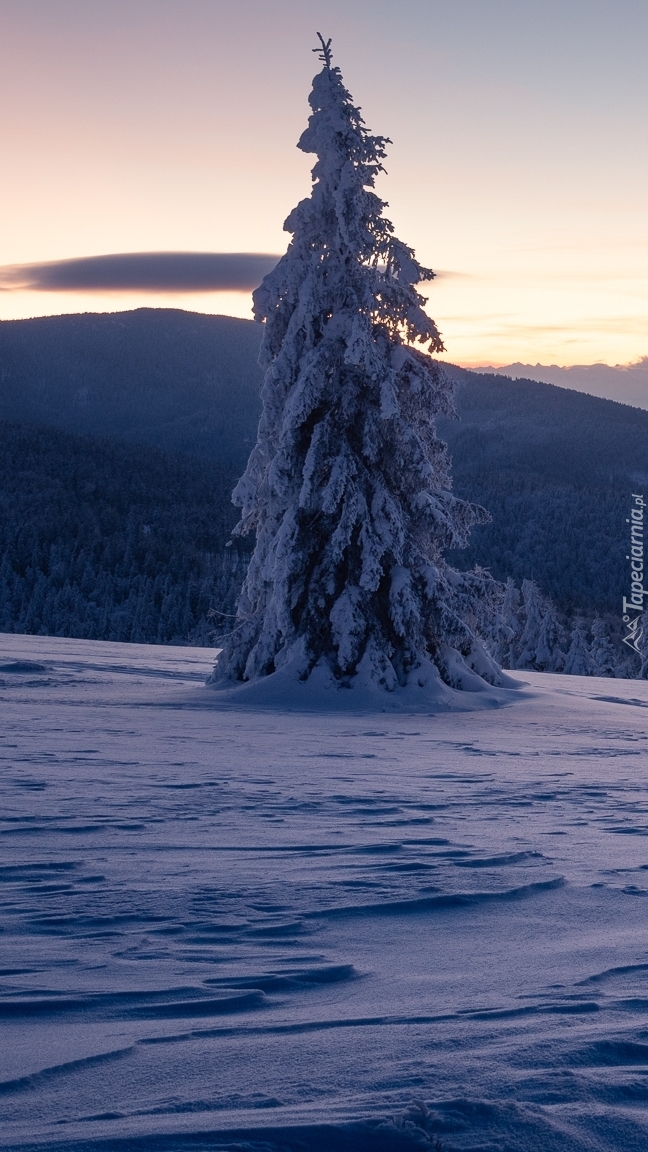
{"points": [[324, 52]]}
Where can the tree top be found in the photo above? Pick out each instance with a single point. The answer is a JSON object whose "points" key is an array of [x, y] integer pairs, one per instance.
{"points": [[324, 52]]}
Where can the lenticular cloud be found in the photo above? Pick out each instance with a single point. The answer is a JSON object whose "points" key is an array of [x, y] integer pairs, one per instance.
{"points": [[143, 271]]}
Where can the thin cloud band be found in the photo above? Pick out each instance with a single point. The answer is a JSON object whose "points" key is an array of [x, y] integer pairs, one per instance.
{"points": [[143, 271]]}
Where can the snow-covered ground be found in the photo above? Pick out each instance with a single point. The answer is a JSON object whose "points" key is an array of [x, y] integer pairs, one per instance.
{"points": [[279, 930]]}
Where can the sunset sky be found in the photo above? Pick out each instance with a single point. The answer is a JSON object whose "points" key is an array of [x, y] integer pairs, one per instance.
{"points": [[518, 167]]}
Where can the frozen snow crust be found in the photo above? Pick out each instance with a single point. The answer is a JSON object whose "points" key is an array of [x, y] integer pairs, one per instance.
{"points": [[274, 931]]}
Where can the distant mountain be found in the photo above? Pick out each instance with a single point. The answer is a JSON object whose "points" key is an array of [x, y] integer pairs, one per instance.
{"points": [[625, 383], [555, 467], [172, 379]]}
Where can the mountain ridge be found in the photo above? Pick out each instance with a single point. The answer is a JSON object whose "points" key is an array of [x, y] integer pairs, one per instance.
{"points": [[622, 383], [554, 466]]}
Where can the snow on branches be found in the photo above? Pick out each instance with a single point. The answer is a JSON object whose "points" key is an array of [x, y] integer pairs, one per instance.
{"points": [[348, 488]]}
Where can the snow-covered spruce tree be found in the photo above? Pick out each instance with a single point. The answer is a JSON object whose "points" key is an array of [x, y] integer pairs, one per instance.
{"points": [[602, 654], [539, 645], [498, 625], [578, 661], [533, 608], [511, 620], [549, 654], [348, 487]]}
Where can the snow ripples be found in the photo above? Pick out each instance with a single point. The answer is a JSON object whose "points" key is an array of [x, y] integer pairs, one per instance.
{"points": [[258, 931]]}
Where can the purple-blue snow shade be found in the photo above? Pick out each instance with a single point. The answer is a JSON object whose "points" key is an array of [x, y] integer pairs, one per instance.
{"points": [[278, 932]]}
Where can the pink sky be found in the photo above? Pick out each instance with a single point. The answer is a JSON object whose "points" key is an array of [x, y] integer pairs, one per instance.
{"points": [[517, 165]]}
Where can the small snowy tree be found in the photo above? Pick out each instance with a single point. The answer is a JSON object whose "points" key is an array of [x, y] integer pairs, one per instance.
{"points": [[533, 612], [540, 642], [348, 487], [602, 656], [577, 660], [499, 626], [549, 654], [511, 630]]}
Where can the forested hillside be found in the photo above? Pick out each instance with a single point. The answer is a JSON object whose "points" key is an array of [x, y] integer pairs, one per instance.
{"points": [[114, 489], [176, 380], [556, 469], [108, 541]]}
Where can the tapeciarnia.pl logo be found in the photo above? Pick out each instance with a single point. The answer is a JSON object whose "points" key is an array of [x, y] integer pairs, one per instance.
{"points": [[636, 557]]}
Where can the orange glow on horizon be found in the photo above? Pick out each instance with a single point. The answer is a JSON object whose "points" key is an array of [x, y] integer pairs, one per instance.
{"points": [[131, 128]]}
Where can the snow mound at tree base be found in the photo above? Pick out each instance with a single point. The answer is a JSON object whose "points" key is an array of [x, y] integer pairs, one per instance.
{"points": [[424, 691]]}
